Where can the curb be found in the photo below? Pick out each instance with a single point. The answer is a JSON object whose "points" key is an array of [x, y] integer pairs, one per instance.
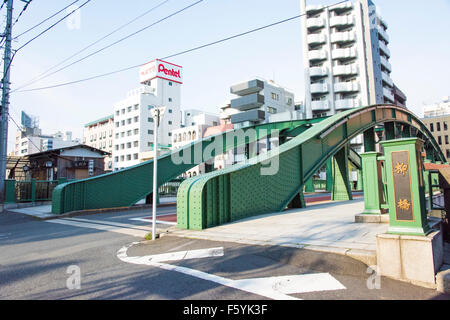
{"points": [[443, 279], [98, 211]]}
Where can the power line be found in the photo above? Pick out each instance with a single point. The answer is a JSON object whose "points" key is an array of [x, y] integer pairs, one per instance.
{"points": [[21, 12], [4, 2], [176, 54], [45, 20], [114, 43], [41, 33], [92, 44], [53, 25]]}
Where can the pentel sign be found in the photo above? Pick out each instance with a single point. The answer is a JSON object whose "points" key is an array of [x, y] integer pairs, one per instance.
{"points": [[161, 69]]}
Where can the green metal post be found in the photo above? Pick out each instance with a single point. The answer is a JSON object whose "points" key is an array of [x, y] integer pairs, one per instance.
{"points": [[329, 174], [426, 173], [33, 190], [371, 183], [309, 186], [406, 187], [10, 191], [341, 182], [369, 140], [359, 183], [389, 130]]}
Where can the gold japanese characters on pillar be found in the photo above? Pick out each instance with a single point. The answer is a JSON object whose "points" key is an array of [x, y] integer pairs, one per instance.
{"points": [[402, 186]]}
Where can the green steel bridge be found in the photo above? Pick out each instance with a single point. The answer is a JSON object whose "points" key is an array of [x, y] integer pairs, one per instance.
{"points": [[252, 187]]}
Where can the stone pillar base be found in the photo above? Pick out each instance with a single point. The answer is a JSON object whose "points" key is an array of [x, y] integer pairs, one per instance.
{"points": [[415, 259], [372, 218]]}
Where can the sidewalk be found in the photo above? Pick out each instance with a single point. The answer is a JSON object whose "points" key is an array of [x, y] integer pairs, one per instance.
{"points": [[326, 227]]}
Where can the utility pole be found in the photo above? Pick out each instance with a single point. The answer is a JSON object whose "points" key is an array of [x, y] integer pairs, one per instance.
{"points": [[4, 111], [157, 114]]}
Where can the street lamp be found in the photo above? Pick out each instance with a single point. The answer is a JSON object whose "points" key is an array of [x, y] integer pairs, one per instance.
{"points": [[157, 113]]}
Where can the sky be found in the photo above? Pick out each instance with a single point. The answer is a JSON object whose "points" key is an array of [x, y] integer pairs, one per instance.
{"points": [[419, 45]]}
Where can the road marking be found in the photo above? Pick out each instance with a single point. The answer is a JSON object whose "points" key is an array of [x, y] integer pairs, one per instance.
{"points": [[182, 255], [115, 224], [157, 221], [127, 231], [277, 288]]}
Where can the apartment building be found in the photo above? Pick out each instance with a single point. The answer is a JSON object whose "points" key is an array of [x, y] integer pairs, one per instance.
{"points": [[257, 100], [196, 124], [346, 57], [437, 120], [133, 125], [99, 134]]}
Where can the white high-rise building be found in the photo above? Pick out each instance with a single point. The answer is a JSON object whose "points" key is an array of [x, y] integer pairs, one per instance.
{"points": [[133, 125], [346, 57]]}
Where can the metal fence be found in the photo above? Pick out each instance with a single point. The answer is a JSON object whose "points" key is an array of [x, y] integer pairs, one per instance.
{"points": [[30, 190]]}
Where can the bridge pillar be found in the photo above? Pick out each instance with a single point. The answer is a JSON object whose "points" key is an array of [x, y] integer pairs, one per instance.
{"points": [[371, 176], [309, 186], [406, 187], [329, 175], [341, 182], [359, 183], [389, 130]]}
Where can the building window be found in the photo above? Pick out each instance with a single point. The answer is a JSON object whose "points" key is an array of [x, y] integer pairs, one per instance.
{"points": [[136, 156], [170, 110], [445, 126], [136, 119], [170, 99], [129, 121], [150, 119], [123, 111], [438, 126], [129, 109], [122, 146], [116, 159], [440, 140], [117, 112], [170, 83], [136, 131], [128, 145], [448, 153], [122, 158], [431, 127], [170, 122], [446, 139], [128, 157], [170, 134], [136, 107], [117, 124], [136, 144], [117, 147], [271, 110], [122, 122], [150, 132]]}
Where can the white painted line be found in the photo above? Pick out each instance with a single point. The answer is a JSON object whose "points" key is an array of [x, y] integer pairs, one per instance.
{"points": [[122, 255], [115, 224], [131, 232], [277, 288], [297, 283], [157, 221]]}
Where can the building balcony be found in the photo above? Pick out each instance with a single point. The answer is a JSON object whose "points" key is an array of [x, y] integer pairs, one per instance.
{"points": [[382, 21], [383, 34], [315, 23], [316, 38], [252, 116], [342, 37], [320, 105], [345, 104], [344, 53], [341, 21], [318, 71], [248, 102], [341, 6], [387, 93], [344, 70], [317, 55], [385, 63], [312, 9], [384, 48], [319, 88], [351, 86], [248, 87], [387, 79]]}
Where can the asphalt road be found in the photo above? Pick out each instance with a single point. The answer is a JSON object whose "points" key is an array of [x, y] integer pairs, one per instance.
{"points": [[41, 260]]}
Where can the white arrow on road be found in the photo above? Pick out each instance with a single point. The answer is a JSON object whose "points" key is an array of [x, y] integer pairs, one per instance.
{"points": [[277, 288]]}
